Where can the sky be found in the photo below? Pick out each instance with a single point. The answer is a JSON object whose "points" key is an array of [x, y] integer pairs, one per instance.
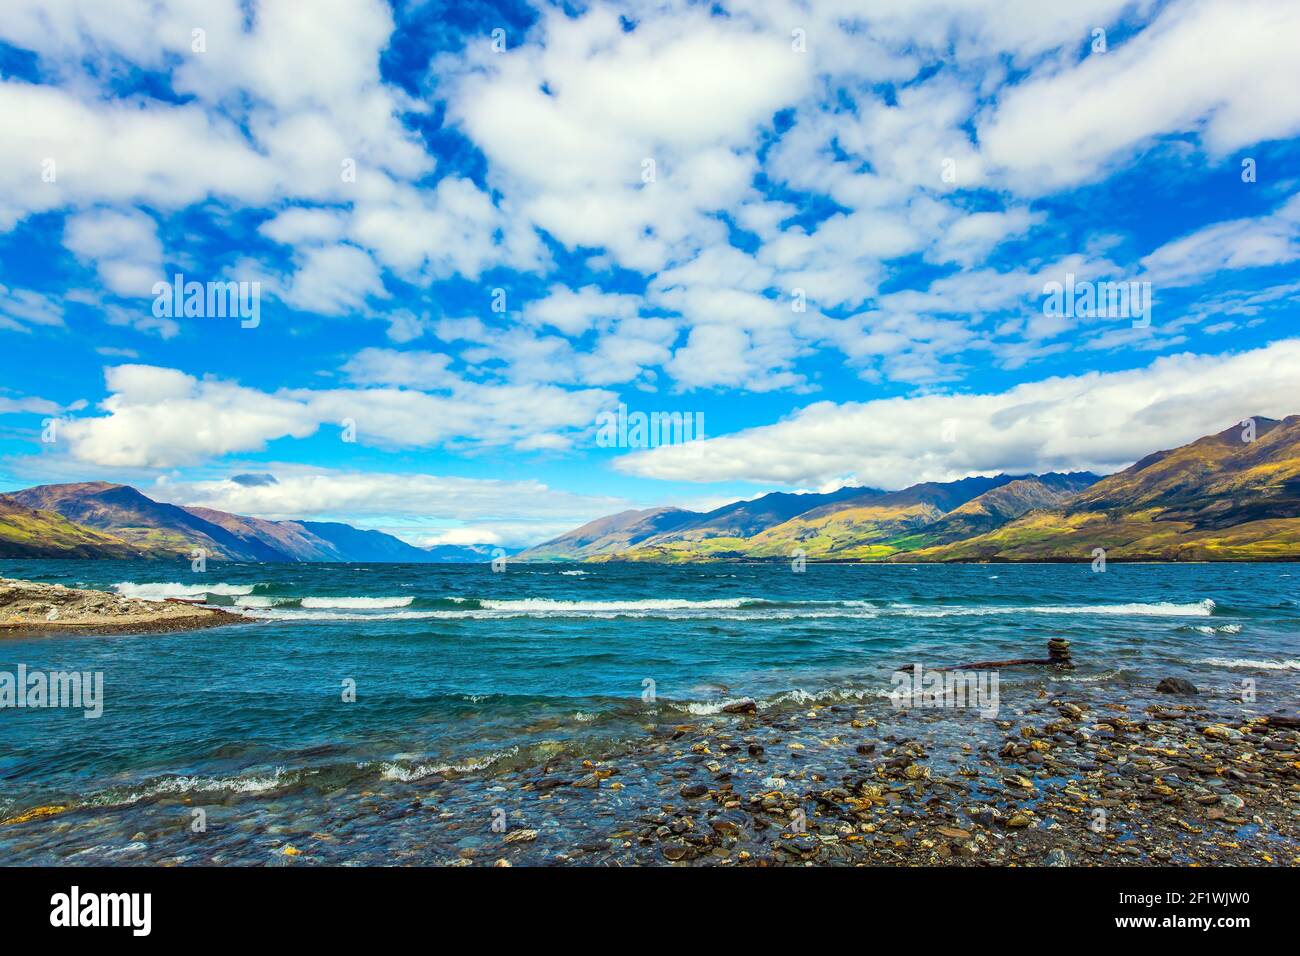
{"points": [[827, 230]]}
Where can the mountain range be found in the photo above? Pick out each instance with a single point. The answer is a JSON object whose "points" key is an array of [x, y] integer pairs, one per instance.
{"points": [[1230, 496], [97, 519]]}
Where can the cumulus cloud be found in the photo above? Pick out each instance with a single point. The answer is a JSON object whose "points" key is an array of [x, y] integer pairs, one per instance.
{"points": [[160, 417], [1100, 421], [713, 161], [1200, 66], [628, 140], [285, 105], [122, 245], [334, 280]]}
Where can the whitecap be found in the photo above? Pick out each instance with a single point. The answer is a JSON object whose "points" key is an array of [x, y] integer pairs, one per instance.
{"points": [[406, 774], [161, 591], [1251, 663], [356, 603]]}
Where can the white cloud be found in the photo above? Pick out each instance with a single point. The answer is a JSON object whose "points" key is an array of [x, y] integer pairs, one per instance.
{"points": [[117, 152], [288, 105], [122, 245], [1202, 66], [473, 534], [22, 308], [573, 312], [299, 225], [286, 98], [1236, 244], [30, 405], [570, 119], [334, 280], [159, 417], [1100, 421]]}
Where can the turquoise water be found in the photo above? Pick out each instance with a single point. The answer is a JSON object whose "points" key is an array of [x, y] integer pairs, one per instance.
{"points": [[459, 669]]}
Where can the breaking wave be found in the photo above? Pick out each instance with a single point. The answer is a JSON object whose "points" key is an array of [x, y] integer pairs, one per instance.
{"points": [[355, 602], [1250, 663], [738, 609], [174, 589]]}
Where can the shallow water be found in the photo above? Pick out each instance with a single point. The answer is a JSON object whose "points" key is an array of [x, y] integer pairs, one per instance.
{"points": [[465, 673]]}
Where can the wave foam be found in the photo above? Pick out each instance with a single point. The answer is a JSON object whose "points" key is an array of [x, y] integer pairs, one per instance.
{"points": [[355, 603], [169, 786], [407, 774], [665, 604], [1246, 662], [1159, 609], [734, 609], [174, 589]]}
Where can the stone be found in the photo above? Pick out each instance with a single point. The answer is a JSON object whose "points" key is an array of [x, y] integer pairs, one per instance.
{"points": [[1220, 732], [674, 851], [1176, 685], [953, 833]]}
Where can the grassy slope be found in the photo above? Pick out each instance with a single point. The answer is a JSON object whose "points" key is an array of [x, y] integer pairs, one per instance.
{"points": [[866, 527], [610, 535], [854, 533], [1055, 536], [30, 533], [1218, 498]]}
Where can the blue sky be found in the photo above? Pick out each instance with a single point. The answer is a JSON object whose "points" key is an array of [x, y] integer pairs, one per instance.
{"points": [[916, 173]]}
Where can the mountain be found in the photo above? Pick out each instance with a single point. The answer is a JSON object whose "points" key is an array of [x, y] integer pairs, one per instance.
{"points": [[1234, 495], [32, 533], [152, 527], [466, 553], [610, 535], [999, 505], [865, 526], [742, 519], [853, 524], [290, 538], [1218, 498], [335, 541], [101, 519], [357, 545], [662, 530]]}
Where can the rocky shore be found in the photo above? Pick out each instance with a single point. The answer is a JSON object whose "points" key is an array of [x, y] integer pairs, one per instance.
{"points": [[1070, 772], [1068, 779], [1068, 782], [32, 607]]}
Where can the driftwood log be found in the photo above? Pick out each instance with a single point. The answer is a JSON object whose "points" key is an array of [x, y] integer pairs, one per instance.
{"points": [[1058, 655]]}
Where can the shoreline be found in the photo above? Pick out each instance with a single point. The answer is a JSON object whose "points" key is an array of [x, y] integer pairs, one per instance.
{"points": [[1068, 774], [37, 609]]}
